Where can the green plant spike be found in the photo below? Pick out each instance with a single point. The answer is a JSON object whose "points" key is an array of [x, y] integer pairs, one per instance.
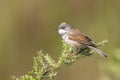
{"points": [[45, 66]]}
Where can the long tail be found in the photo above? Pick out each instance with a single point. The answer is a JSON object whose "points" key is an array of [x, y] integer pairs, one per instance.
{"points": [[98, 51]]}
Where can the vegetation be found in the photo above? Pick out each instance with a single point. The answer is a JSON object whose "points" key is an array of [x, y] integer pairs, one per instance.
{"points": [[45, 66]]}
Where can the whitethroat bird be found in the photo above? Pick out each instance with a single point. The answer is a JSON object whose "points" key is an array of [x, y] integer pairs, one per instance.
{"points": [[76, 39]]}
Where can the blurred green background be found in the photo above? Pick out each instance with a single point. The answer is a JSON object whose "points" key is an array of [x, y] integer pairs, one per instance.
{"points": [[27, 26]]}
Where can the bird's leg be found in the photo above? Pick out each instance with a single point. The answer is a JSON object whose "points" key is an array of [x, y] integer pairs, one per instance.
{"points": [[77, 50]]}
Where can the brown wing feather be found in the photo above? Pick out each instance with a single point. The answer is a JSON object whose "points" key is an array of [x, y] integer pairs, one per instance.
{"points": [[76, 35]]}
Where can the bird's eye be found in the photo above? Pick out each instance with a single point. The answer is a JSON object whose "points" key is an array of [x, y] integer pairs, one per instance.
{"points": [[62, 27]]}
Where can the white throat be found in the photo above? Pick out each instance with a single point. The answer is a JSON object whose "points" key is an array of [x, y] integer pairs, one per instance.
{"points": [[61, 32]]}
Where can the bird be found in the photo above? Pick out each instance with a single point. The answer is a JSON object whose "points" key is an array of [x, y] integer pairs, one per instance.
{"points": [[77, 39]]}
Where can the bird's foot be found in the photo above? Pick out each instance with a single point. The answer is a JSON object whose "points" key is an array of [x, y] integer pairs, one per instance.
{"points": [[72, 55]]}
